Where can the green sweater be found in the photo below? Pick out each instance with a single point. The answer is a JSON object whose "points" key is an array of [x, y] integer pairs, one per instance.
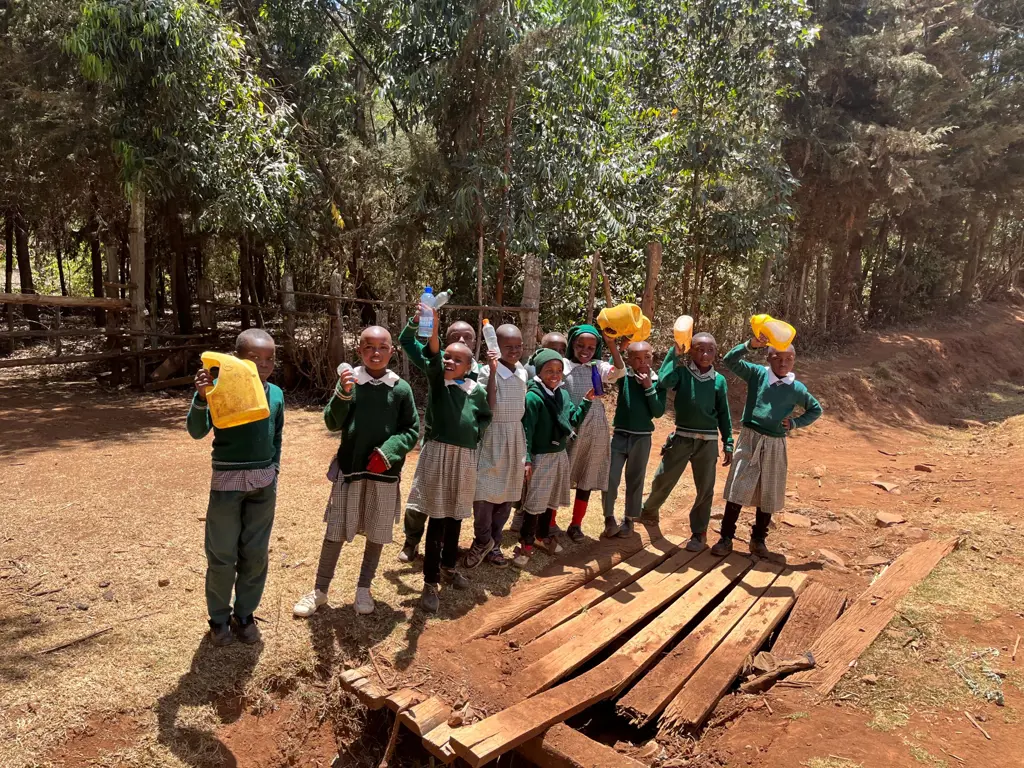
{"points": [[767, 405], [636, 407], [416, 350], [539, 426], [454, 416], [256, 445], [373, 416], [702, 407]]}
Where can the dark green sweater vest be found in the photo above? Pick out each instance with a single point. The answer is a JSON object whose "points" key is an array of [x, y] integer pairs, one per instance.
{"points": [[767, 405], [636, 407], [702, 407], [256, 445], [453, 416]]}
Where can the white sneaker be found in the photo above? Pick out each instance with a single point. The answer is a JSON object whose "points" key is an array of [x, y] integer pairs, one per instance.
{"points": [[364, 603], [521, 561], [309, 603]]}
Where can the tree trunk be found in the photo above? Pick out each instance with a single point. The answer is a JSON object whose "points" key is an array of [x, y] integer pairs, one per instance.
{"points": [[9, 273], [111, 321], [243, 280], [96, 261], [820, 293], [136, 276], [531, 300], [179, 277], [652, 252], [499, 285], [25, 268], [592, 293], [60, 265]]}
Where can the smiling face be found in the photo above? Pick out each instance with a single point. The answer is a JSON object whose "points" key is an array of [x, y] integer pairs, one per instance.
{"points": [[258, 346], [460, 332], [585, 347], [555, 341], [551, 374], [510, 344], [782, 362], [458, 360], [640, 357], [375, 350], [703, 351]]}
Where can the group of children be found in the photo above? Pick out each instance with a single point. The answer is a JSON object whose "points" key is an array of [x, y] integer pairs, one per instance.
{"points": [[495, 436]]}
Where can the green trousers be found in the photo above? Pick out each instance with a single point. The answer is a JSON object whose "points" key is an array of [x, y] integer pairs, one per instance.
{"points": [[630, 452], [238, 525], [702, 455]]}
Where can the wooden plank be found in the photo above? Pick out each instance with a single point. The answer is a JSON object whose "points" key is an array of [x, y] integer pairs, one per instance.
{"points": [[653, 693], [596, 590], [488, 739], [843, 642], [544, 591], [372, 695], [63, 301], [565, 747], [181, 381], [399, 701], [816, 609], [24, 362], [615, 617], [436, 743], [351, 675], [712, 679], [424, 717]]}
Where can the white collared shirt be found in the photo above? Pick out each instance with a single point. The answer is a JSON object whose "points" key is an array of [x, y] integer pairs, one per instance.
{"points": [[789, 378], [506, 373], [545, 386], [389, 379], [466, 385]]}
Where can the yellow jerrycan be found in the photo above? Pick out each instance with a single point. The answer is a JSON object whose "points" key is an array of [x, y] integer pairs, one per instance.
{"points": [[682, 331], [238, 396], [779, 333], [621, 320], [643, 333]]}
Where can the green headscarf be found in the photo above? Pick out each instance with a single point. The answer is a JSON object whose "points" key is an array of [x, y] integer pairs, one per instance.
{"points": [[579, 330]]}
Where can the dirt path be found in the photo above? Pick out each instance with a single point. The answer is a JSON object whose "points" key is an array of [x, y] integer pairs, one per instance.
{"points": [[103, 497]]}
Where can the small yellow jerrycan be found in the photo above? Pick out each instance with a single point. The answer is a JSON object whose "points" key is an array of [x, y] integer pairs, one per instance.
{"points": [[643, 333], [238, 396], [682, 331], [621, 320], [779, 333]]}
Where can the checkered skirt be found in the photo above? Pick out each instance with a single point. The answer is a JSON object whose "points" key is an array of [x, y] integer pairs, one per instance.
{"points": [[445, 481], [502, 451], [757, 476], [367, 507], [549, 486], [590, 454]]}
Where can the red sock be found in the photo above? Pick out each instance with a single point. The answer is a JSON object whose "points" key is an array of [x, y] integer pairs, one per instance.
{"points": [[551, 521], [579, 510]]}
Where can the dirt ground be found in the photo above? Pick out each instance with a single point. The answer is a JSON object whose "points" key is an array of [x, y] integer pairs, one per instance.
{"points": [[102, 501]]}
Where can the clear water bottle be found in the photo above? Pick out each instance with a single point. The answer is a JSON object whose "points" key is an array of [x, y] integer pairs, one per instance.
{"points": [[426, 329], [441, 299], [490, 336]]}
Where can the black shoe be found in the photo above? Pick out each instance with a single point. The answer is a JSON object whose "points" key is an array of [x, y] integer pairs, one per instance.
{"points": [[626, 529], [723, 547], [575, 534], [650, 518], [247, 630], [697, 542], [220, 634], [758, 548], [454, 578], [611, 528], [429, 600]]}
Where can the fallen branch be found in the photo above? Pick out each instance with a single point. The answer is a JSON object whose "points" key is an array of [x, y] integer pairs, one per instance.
{"points": [[1013, 656], [77, 640], [977, 725], [766, 680], [373, 660]]}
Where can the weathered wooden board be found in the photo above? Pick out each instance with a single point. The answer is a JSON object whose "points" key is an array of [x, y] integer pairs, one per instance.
{"points": [[816, 609]]}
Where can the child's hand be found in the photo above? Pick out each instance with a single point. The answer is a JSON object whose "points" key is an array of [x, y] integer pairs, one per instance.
{"points": [[644, 380], [590, 395], [528, 473], [347, 379], [787, 424], [727, 459], [203, 381], [759, 341], [492, 361]]}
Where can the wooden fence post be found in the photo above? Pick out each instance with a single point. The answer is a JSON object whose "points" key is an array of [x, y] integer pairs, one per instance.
{"points": [[57, 346], [592, 293], [137, 279], [653, 253], [531, 300], [403, 317], [113, 341], [207, 312], [336, 338], [288, 312]]}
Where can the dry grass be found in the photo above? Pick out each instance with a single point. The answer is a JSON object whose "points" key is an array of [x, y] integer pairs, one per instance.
{"points": [[104, 496], [831, 762]]}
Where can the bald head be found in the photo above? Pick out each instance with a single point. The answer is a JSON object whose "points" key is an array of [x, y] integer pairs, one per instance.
{"points": [[460, 332], [783, 361], [510, 344], [703, 351], [375, 349], [555, 341], [703, 338], [640, 357], [257, 345], [252, 338], [375, 332]]}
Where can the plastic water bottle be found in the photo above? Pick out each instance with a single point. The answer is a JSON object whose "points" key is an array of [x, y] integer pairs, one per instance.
{"points": [[596, 381], [441, 299], [490, 336], [426, 329]]}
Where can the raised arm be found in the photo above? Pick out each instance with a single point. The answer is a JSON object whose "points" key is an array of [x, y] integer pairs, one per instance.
{"points": [[578, 413], [198, 420], [668, 374], [412, 346], [338, 406], [618, 368], [734, 359]]}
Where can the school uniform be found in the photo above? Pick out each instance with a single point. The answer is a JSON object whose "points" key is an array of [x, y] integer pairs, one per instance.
{"points": [[757, 476], [702, 416], [549, 420], [415, 520], [590, 451], [246, 461], [445, 481], [635, 410], [501, 456]]}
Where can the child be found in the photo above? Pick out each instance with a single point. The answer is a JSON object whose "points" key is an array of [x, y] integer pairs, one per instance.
{"points": [[590, 452], [459, 332], [502, 453], [549, 422], [445, 480], [243, 493], [702, 413], [374, 410], [641, 400], [557, 342], [758, 472]]}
